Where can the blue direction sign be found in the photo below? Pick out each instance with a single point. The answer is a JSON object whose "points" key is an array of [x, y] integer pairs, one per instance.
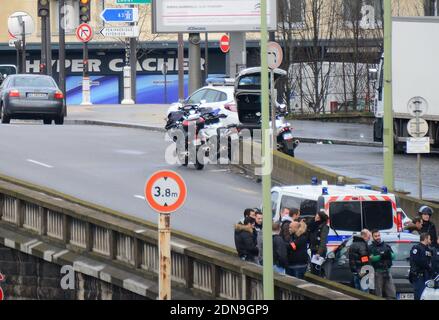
{"points": [[120, 15]]}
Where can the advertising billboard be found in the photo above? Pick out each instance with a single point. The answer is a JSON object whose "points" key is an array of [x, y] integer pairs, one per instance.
{"points": [[192, 16]]}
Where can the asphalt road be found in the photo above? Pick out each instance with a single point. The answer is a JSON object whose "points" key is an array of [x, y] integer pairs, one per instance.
{"points": [[109, 166]]}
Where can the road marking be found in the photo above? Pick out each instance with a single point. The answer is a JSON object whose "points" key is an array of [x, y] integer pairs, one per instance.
{"points": [[139, 197], [246, 191], [219, 170], [40, 163]]}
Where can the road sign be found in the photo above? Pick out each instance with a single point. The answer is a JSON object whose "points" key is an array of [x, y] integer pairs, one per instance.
{"points": [[121, 32], [225, 43], [133, 1], [15, 24], [275, 55], [412, 128], [417, 106], [418, 145], [165, 191], [120, 15], [84, 32], [12, 42]]}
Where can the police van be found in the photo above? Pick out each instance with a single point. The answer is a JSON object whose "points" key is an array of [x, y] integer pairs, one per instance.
{"points": [[350, 208]]}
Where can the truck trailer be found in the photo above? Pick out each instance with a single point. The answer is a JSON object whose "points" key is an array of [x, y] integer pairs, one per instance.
{"points": [[415, 72]]}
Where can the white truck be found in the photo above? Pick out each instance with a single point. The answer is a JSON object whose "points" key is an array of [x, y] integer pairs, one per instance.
{"points": [[415, 72]]}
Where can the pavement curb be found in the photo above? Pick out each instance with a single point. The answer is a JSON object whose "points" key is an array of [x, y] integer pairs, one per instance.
{"points": [[160, 129], [115, 124]]}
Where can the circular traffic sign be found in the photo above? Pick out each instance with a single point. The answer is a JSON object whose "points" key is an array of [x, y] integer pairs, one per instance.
{"points": [[275, 55], [412, 128], [84, 32], [225, 43], [16, 22], [417, 106], [165, 191]]}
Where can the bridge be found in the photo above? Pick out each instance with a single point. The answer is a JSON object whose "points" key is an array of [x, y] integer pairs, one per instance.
{"points": [[113, 257]]}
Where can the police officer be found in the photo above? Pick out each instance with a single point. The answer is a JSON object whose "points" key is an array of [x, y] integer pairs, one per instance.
{"points": [[434, 262], [420, 265], [381, 256], [425, 213]]}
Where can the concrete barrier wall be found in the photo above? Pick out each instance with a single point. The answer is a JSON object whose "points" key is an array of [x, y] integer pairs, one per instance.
{"points": [[117, 250]]}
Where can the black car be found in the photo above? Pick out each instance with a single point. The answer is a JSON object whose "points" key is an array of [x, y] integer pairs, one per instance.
{"points": [[31, 96], [337, 267]]}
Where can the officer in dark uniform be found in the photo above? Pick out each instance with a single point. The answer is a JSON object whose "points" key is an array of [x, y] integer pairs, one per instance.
{"points": [[434, 262], [425, 212], [420, 264]]}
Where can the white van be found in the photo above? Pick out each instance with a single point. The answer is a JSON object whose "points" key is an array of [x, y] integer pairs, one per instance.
{"points": [[350, 208]]}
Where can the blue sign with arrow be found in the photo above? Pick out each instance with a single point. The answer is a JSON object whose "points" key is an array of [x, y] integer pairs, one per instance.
{"points": [[120, 15]]}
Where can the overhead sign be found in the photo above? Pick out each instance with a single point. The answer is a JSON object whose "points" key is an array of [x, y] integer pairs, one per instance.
{"points": [[84, 32], [17, 20], [418, 145], [120, 15], [417, 106], [225, 43], [172, 16], [275, 55], [412, 126], [165, 191], [133, 1], [121, 32]]}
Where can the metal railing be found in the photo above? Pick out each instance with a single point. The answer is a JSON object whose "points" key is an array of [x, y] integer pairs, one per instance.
{"points": [[201, 271]]}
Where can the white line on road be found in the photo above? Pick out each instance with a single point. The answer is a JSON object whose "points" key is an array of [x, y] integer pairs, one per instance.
{"points": [[40, 163], [139, 197]]}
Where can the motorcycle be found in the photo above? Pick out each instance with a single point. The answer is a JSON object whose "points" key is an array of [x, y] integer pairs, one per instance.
{"points": [[182, 121], [285, 139], [431, 291]]}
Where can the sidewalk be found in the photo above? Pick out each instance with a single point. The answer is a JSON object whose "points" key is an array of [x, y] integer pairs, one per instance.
{"points": [[151, 115]]}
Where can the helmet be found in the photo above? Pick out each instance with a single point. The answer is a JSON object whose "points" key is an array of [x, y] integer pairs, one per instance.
{"points": [[425, 210]]}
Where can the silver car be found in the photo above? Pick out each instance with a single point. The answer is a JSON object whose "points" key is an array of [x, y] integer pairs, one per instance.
{"points": [[31, 96]]}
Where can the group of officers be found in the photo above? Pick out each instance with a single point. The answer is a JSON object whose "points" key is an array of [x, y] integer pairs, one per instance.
{"points": [[424, 257]]}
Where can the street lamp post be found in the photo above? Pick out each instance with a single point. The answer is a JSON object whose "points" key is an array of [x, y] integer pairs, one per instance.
{"points": [[388, 110], [267, 256]]}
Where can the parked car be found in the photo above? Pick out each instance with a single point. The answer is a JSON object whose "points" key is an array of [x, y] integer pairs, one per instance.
{"points": [[217, 94], [337, 267], [31, 96]]}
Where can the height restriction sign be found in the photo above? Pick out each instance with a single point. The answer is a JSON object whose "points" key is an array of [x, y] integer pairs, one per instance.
{"points": [[165, 191]]}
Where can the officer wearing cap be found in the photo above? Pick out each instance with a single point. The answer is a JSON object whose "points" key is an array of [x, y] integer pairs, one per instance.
{"points": [[425, 213], [420, 265]]}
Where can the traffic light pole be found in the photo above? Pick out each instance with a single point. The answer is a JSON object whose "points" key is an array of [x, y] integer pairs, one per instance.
{"points": [[388, 110], [267, 154], [43, 62], [62, 48], [86, 101], [48, 45], [133, 64]]}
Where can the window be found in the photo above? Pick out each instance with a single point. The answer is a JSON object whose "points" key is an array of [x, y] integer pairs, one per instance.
{"points": [[222, 97], [274, 200], [356, 215], [345, 215], [306, 207], [211, 96], [401, 250], [377, 215], [250, 82], [431, 7], [291, 13], [33, 82], [196, 97], [368, 12]]}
